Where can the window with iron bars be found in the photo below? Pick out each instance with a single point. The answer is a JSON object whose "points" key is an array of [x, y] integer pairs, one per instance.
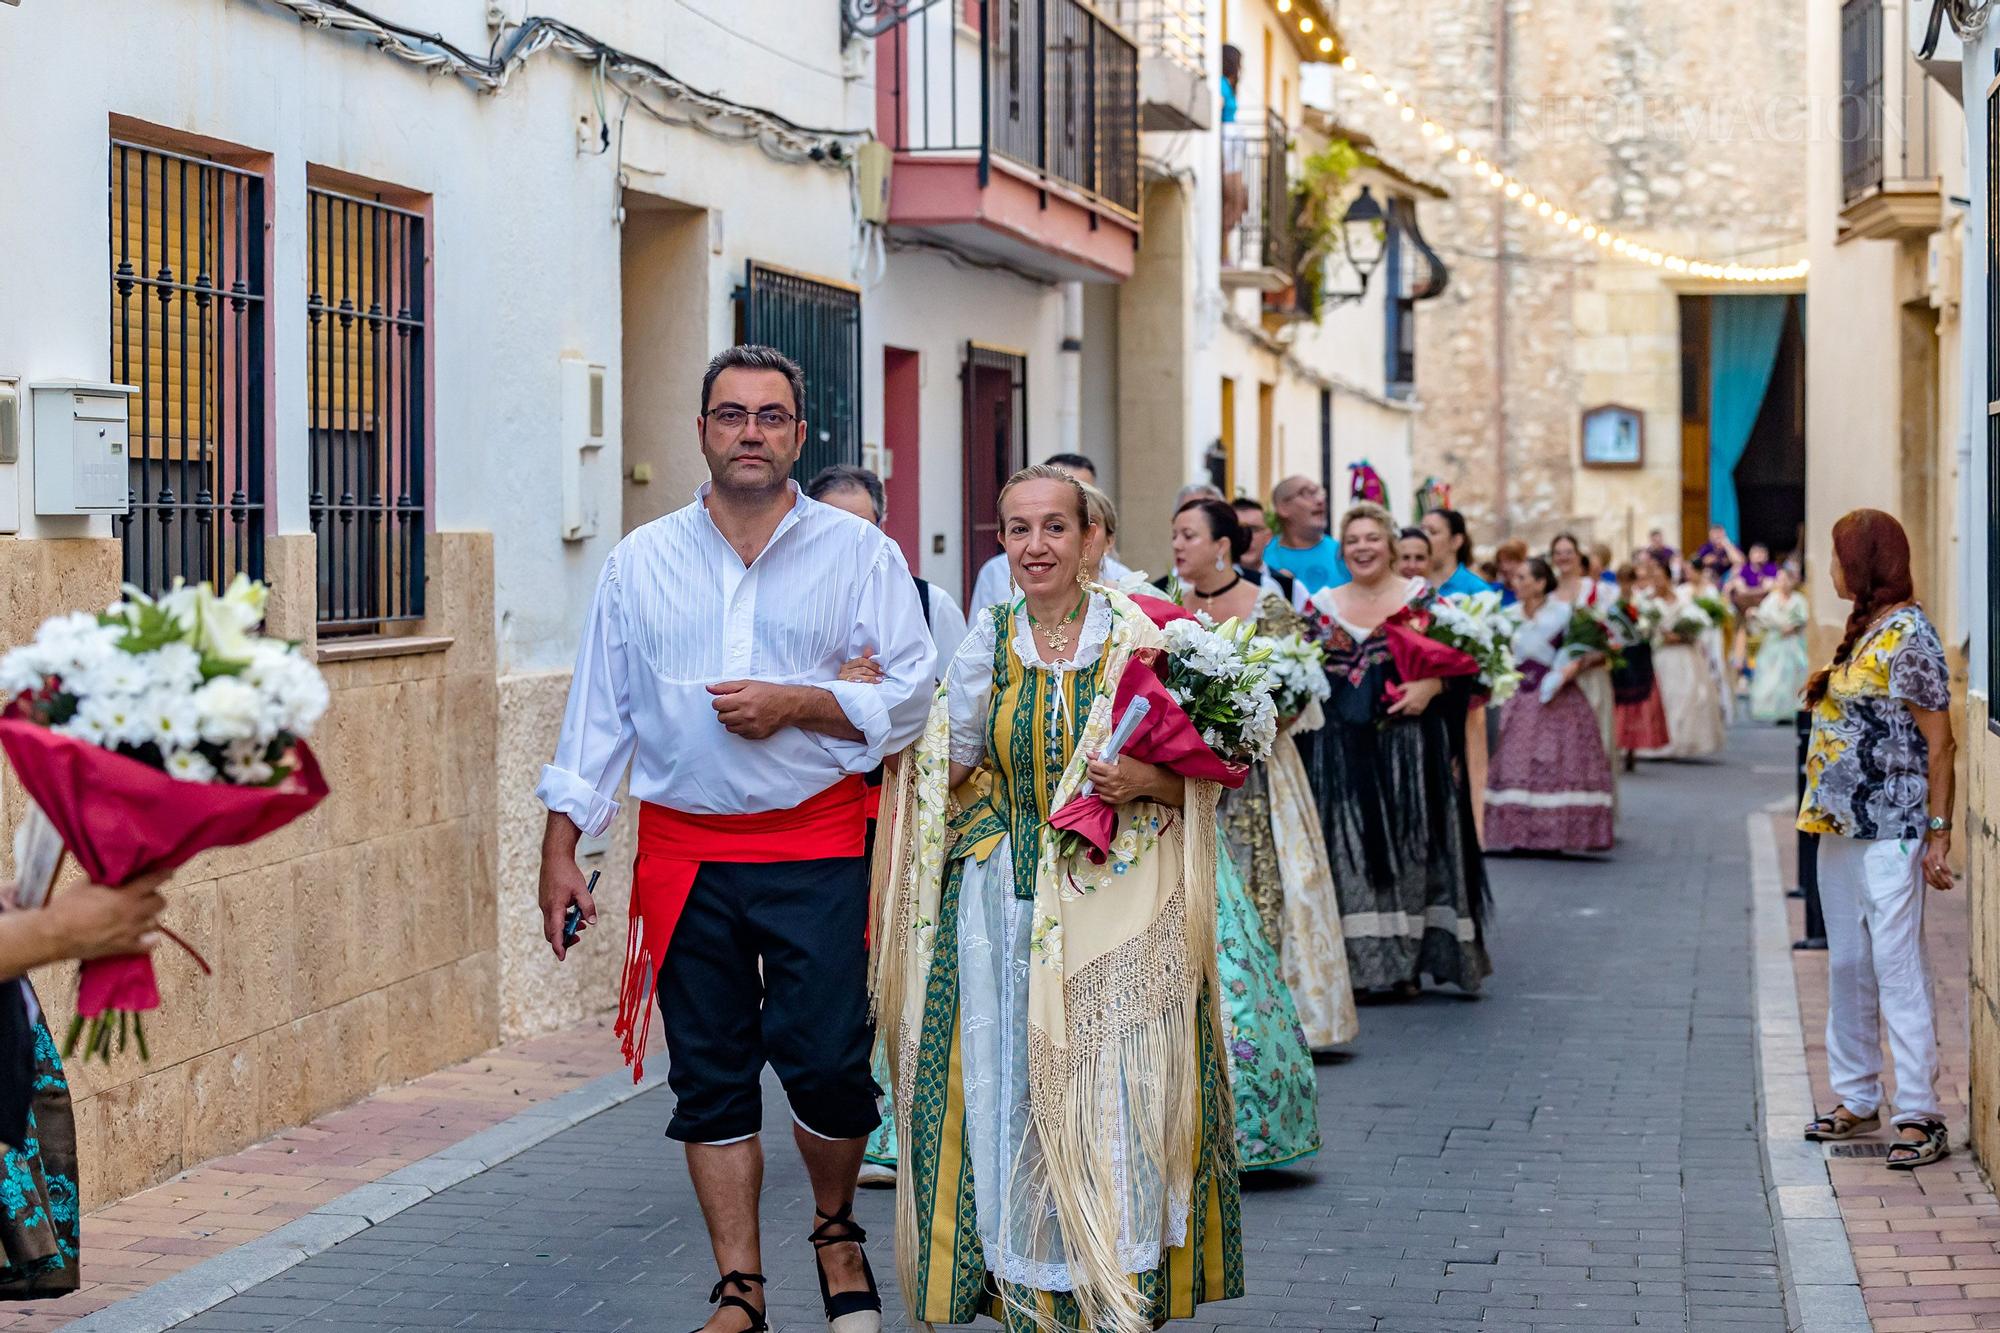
{"points": [[187, 333], [366, 413], [817, 324]]}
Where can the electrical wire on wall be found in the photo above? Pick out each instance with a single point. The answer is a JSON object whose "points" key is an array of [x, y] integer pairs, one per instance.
{"points": [[709, 113]]}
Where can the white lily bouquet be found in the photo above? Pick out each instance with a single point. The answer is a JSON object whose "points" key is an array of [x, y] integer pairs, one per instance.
{"points": [[1220, 677], [145, 736], [1297, 667], [1479, 626], [1687, 620]]}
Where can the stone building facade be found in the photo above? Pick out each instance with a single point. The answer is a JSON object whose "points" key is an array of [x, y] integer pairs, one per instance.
{"points": [[1681, 126]]}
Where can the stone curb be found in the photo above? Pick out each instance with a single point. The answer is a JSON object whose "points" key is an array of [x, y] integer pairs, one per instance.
{"points": [[1815, 1260], [179, 1298]]}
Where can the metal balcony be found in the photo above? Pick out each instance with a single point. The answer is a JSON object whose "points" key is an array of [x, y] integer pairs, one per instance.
{"points": [[1256, 204], [1889, 175]]}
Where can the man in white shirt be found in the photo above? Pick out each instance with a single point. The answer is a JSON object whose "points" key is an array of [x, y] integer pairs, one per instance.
{"points": [[709, 663], [995, 585]]}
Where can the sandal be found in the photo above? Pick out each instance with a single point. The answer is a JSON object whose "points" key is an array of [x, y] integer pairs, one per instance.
{"points": [[848, 1311], [1936, 1143], [1841, 1123], [731, 1301]]}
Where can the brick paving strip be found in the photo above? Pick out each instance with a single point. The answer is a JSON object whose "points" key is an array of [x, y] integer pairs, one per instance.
{"points": [[1926, 1243], [166, 1253]]}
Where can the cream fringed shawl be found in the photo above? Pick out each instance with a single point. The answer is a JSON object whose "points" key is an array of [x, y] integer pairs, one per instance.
{"points": [[1116, 973]]}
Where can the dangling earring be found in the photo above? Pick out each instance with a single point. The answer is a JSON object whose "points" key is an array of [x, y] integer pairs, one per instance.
{"points": [[1220, 563]]}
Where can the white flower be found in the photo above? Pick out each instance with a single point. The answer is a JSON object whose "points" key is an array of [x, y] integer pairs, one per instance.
{"points": [[175, 667], [190, 766], [19, 674], [114, 719], [228, 710], [169, 719]]}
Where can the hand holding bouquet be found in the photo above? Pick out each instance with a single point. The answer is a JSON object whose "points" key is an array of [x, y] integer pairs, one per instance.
{"points": [[1684, 622], [1210, 713], [1591, 632], [1218, 675], [1479, 626], [145, 736]]}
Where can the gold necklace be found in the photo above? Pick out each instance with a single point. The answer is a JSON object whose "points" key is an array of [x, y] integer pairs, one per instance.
{"points": [[1058, 633]]}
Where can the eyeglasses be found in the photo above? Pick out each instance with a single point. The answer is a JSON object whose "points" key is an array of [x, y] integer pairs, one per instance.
{"points": [[735, 418]]}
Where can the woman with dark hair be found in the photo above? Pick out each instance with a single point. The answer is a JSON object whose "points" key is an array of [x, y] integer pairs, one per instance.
{"points": [[1271, 866], [1576, 589], [1689, 692], [1879, 795], [1394, 801], [1413, 554], [1549, 789], [1641, 718], [1451, 554]]}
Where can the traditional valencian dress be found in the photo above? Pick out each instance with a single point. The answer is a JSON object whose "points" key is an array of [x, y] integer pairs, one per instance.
{"points": [[1273, 852], [1549, 788], [38, 1180], [1062, 1106], [1397, 817], [1688, 694], [1781, 658]]}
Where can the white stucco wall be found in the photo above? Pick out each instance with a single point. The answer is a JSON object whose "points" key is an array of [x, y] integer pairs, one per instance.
{"points": [[927, 305], [526, 247]]}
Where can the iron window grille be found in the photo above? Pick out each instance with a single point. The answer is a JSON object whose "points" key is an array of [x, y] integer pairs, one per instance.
{"points": [[818, 325], [366, 410], [995, 383], [187, 332], [1861, 102]]}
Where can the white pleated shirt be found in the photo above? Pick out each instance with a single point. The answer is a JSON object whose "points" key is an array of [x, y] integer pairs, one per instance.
{"points": [[676, 610]]}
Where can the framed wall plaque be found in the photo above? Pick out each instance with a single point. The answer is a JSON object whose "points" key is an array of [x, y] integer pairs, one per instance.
{"points": [[1614, 436]]}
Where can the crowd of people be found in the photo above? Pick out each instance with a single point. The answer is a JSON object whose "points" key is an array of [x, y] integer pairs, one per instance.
{"points": [[861, 859], [1077, 1079]]}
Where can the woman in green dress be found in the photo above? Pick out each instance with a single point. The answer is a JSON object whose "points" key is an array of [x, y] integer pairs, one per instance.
{"points": [[1779, 621], [1062, 1110], [1273, 868]]}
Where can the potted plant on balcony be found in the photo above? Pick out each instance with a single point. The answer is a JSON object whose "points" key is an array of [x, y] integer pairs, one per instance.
{"points": [[1315, 227]]}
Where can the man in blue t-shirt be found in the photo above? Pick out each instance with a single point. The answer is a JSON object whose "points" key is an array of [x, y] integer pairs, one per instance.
{"points": [[1302, 548]]}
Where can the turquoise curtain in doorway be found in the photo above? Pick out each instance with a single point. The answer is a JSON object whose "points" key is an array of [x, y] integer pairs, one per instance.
{"points": [[1742, 348]]}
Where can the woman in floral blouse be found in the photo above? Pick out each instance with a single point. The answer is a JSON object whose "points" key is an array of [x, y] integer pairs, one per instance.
{"points": [[1879, 795]]}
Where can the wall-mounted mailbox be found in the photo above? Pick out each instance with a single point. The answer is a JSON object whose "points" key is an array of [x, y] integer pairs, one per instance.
{"points": [[81, 447]]}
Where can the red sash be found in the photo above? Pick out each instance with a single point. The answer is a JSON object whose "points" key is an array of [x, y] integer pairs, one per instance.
{"points": [[672, 847]]}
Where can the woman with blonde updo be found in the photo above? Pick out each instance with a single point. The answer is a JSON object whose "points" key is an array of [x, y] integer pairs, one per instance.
{"points": [[1394, 801]]}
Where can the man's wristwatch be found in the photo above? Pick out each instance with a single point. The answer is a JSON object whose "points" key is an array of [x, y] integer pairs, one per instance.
{"points": [[1939, 824]]}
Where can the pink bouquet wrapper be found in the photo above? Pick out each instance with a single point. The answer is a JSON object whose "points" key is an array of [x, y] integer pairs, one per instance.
{"points": [[121, 819], [1167, 737]]}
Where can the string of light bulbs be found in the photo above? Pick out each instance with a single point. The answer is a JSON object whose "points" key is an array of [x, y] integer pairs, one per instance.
{"points": [[1536, 203]]}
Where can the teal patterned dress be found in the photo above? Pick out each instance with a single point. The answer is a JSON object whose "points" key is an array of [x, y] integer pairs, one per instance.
{"points": [[1270, 1065], [38, 1197]]}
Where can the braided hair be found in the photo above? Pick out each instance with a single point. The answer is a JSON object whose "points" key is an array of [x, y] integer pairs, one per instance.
{"points": [[1873, 553]]}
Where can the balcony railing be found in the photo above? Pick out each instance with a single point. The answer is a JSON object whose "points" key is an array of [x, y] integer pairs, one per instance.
{"points": [[1173, 30], [1256, 203], [1886, 148], [1050, 85]]}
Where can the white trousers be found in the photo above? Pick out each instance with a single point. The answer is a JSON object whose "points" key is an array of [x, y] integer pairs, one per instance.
{"points": [[1872, 893]]}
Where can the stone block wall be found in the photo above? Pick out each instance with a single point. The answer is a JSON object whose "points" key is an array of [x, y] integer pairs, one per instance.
{"points": [[1681, 124], [537, 993], [1980, 843], [353, 949]]}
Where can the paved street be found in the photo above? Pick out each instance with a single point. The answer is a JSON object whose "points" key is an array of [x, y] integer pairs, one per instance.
{"points": [[1575, 1149]]}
